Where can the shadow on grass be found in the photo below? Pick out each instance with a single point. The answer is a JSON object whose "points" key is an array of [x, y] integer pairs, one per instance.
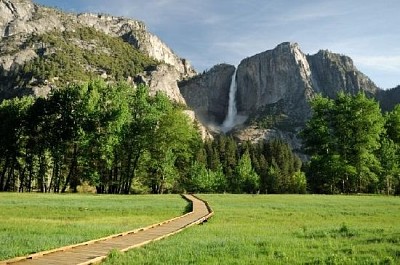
{"points": [[189, 206]]}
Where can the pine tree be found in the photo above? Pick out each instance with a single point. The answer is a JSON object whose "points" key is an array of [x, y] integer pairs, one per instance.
{"points": [[248, 180]]}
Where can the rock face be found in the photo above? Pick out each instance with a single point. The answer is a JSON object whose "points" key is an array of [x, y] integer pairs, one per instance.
{"points": [[208, 94], [21, 19], [164, 78], [272, 76], [278, 82], [274, 89], [332, 71], [13, 14], [389, 98]]}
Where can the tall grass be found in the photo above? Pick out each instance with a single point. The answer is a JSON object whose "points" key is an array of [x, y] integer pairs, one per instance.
{"points": [[283, 229], [35, 222]]}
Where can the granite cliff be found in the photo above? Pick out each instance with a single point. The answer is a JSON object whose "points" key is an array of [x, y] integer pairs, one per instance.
{"points": [[274, 88], [22, 23], [208, 93]]}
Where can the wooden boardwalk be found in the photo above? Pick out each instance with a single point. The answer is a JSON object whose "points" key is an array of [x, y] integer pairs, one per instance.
{"points": [[95, 251]]}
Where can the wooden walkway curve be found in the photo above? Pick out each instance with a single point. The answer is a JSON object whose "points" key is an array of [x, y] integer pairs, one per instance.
{"points": [[95, 251]]}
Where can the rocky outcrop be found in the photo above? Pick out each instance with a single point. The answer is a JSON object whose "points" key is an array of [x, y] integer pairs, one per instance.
{"points": [[285, 74], [164, 79], [208, 94], [155, 48], [13, 15], [271, 76], [204, 132], [21, 19], [255, 134], [388, 99], [332, 72]]}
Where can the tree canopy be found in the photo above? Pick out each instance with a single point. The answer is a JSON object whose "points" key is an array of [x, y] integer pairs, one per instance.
{"points": [[347, 139]]}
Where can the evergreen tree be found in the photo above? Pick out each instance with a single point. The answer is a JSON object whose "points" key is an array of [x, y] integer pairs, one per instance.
{"points": [[248, 179]]}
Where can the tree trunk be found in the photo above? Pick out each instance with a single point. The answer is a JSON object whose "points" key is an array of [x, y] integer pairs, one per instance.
{"points": [[126, 179], [10, 176], [72, 170], [3, 175], [130, 178], [41, 174]]}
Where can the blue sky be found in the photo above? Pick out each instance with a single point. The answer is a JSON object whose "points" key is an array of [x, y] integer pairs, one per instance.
{"points": [[208, 32]]}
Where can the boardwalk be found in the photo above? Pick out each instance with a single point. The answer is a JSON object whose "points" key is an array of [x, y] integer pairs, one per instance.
{"points": [[95, 251]]}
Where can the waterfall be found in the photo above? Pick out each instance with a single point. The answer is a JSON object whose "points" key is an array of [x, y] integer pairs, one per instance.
{"points": [[232, 111]]}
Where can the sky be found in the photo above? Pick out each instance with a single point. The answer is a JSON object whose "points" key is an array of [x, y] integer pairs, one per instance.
{"points": [[209, 32]]}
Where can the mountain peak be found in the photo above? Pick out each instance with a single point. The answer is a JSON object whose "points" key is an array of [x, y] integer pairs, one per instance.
{"points": [[287, 44]]}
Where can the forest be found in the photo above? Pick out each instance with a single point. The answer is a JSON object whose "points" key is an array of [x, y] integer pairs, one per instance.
{"points": [[113, 138]]}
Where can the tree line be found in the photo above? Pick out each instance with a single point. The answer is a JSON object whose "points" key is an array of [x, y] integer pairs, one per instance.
{"points": [[120, 139], [353, 146], [223, 165]]}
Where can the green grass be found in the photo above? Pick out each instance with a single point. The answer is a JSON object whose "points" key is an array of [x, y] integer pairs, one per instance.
{"points": [[283, 229], [35, 222]]}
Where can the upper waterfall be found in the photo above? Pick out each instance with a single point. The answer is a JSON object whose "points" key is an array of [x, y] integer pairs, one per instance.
{"points": [[230, 119]]}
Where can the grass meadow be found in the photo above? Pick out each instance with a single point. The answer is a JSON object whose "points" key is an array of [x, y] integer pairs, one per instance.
{"points": [[35, 222], [283, 229]]}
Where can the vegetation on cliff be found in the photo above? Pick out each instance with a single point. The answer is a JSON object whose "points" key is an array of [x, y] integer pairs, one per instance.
{"points": [[81, 54]]}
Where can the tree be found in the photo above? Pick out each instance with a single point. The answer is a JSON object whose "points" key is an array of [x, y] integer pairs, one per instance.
{"points": [[342, 137], [390, 153], [390, 168], [172, 148], [138, 133], [64, 113], [393, 124], [249, 181], [13, 117], [107, 115]]}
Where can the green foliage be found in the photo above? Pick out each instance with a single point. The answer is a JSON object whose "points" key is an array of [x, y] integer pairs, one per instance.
{"points": [[248, 178], [13, 117], [348, 144], [171, 148], [265, 167], [203, 180], [269, 116], [393, 124], [81, 55], [110, 136]]}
